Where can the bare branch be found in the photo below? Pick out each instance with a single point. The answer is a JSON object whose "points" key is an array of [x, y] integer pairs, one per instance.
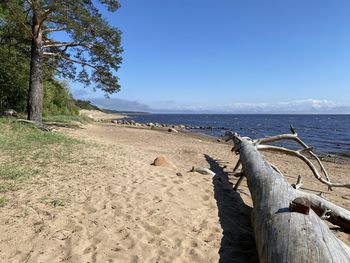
{"points": [[275, 168], [294, 137], [238, 164], [303, 158], [299, 183], [235, 188]]}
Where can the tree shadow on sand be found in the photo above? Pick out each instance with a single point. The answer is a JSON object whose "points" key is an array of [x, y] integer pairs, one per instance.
{"points": [[237, 244]]}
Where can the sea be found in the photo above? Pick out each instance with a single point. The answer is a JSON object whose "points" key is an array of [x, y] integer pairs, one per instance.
{"points": [[328, 134]]}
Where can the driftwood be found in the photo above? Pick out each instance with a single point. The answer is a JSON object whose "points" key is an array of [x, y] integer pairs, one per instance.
{"points": [[328, 211], [282, 235], [38, 125], [202, 171]]}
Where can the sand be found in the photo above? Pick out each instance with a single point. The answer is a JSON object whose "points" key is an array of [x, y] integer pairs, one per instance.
{"points": [[120, 208], [101, 116]]}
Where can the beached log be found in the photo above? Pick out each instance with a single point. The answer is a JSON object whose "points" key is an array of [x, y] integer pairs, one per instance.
{"points": [[282, 235], [328, 211]]}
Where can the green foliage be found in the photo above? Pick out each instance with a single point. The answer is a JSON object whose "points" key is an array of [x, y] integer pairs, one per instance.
{"points": [[93, 44], [14, 74], [14, 64], [86, 105], [58, 100], [92, 54]]}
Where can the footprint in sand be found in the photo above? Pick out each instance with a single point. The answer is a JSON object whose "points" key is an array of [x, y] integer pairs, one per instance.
{"points": [[151, 229], [205, 197]]}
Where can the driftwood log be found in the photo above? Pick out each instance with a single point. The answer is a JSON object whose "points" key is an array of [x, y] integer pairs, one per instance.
{"points": [[282, 235], [37, 125]]}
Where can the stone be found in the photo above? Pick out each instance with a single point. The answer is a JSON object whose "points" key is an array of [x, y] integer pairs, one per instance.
{"points": [[163, 161], [10, 113], [172, 130]]}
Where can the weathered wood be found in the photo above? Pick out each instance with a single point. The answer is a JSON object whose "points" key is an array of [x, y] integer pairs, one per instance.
{"points": [[300, 205], [337, 215], [281, 235], [36, 89]]}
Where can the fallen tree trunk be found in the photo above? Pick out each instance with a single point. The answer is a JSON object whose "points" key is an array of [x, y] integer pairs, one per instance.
{"points": [[331, 212], [281, 235]]}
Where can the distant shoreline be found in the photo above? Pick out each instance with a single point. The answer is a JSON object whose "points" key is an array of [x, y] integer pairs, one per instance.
{"points": [[328, 134]]}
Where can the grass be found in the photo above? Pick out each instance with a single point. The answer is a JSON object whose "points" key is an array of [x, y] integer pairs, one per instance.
{"points": [[6, 187], [22, 140], [26, 151], [68, 119], [57, 202], [3, 201], [11, 172]]}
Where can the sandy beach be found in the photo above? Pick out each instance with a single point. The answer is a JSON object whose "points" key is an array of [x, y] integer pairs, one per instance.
{"points": [[120, 208]]}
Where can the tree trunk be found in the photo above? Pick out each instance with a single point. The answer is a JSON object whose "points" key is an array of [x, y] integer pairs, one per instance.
{"points": [[281, 235], [36, 92], [337, 215]]}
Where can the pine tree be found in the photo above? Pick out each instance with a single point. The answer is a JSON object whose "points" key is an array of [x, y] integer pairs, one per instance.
{"points": [[90, 55]]}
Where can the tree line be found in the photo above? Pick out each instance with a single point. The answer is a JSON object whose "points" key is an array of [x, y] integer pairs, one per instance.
{"points": [[43, 42]]}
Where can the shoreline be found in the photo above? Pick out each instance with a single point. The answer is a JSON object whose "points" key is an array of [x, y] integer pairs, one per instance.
{"points": [[327, 134], [328, 157], [105, 202]]}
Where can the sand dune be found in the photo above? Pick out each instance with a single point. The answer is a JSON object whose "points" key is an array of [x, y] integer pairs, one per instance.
{"points": [[119, 208]]}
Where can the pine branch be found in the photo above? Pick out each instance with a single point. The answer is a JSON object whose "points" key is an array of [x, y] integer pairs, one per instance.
{"points": [[58, 54], [65, 44]]}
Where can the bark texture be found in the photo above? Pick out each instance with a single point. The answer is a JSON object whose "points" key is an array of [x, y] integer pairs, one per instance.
{"points": [[35, 95], [281, 235]]}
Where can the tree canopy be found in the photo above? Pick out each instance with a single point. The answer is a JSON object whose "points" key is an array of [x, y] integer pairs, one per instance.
{"points": [[68, 38]]}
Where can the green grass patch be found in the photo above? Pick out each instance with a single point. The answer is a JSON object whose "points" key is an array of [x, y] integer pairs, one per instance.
{"points": [[26, 151], [68, 119], [11, 172], [57, 202], [3, 201], [6, 187], [24, 140], [12, 175]]}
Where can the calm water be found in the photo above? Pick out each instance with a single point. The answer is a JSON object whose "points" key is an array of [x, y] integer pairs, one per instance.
{"points": [[327, 133]]}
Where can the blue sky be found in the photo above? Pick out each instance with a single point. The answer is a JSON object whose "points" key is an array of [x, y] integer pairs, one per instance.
{"points": [[231, 56]]}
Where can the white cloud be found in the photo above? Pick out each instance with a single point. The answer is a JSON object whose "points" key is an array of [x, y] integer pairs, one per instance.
{"points": [[305, 106], [296, 106]]}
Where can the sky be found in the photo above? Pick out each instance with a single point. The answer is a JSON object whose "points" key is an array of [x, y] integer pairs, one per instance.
{"points": [[231, 56]]}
